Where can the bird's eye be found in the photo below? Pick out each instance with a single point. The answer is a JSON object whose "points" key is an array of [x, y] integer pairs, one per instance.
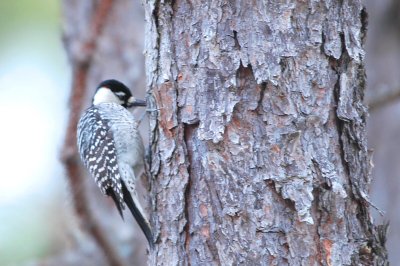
{"points": [[120, 95]]}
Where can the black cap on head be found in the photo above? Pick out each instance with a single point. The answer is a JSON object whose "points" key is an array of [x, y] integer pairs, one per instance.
{"points": [[115, 86], [119, 89]]}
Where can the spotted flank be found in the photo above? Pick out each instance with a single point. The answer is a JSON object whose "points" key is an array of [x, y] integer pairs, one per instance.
{"points": [[97, 149]]}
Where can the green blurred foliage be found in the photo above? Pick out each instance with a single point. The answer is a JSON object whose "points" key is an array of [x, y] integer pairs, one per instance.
{"points": [[23, 236], [30, 29], [19, 14]]}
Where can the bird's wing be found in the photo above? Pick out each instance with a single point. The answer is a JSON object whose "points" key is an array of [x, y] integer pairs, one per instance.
{"points": [[99, 154]]}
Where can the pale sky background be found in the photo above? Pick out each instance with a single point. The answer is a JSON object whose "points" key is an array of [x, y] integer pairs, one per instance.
{"points": [[34, 87]]}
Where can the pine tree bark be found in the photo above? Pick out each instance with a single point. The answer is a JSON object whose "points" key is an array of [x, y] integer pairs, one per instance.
{"points": [[259, 153]]}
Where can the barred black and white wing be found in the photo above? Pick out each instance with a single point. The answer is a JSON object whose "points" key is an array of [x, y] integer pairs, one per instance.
{"points": [[98, 152], [111, 148]]}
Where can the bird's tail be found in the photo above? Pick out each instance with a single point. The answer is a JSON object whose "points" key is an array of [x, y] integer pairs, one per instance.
{"points": [[140, 219]]}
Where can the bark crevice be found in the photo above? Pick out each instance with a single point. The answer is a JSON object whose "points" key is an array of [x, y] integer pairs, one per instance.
{"points": [[188, 132]]}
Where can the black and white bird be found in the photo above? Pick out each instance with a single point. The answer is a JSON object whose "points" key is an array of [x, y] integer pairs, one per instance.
{"points": [[112, 149]]}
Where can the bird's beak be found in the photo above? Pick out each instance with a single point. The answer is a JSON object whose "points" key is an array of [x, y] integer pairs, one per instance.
{"points": [[135, 102]]}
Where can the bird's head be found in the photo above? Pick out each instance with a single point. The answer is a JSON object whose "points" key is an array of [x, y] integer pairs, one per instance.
{"points": [[113, 91]]}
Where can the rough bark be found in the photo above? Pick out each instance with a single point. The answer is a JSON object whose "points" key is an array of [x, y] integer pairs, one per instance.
{"points": [[259, 150]]}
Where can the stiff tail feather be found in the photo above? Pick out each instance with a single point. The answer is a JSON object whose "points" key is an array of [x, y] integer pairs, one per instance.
{"points": [[142, 221]]}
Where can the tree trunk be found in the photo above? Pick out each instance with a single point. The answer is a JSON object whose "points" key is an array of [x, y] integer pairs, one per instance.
{"points": [[259, 151]]}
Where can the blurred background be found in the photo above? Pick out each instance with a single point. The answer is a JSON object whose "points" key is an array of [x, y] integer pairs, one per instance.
{"points": [[34, 90], [34, 87]]}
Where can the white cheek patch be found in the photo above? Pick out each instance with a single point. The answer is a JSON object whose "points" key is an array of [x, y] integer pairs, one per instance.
{"points": [[105, 95]]}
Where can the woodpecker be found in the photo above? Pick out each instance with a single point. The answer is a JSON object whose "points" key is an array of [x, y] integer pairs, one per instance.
{"points": [[112, 149]]}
